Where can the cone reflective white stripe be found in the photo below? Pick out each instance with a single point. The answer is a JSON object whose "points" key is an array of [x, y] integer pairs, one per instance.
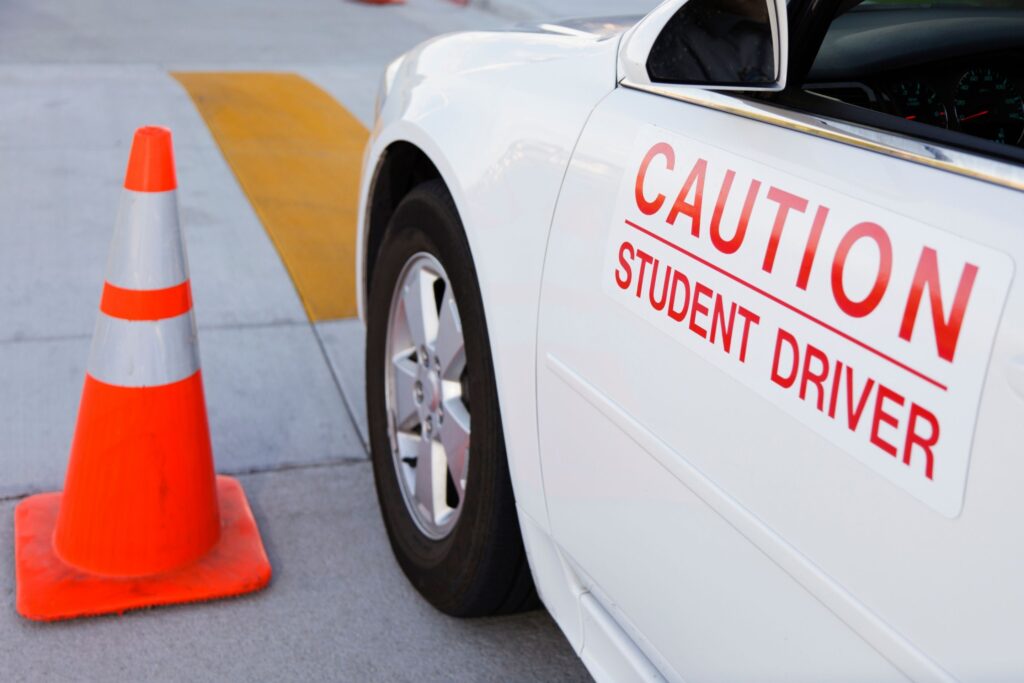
{"points": [[145, 333], [147, 251], [144, 353]]}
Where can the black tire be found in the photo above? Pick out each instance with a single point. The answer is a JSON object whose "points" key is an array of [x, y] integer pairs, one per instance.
{"points": [[480, 567]]}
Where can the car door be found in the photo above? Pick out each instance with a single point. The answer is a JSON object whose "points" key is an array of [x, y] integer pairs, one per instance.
{"points": [[779, 378]]}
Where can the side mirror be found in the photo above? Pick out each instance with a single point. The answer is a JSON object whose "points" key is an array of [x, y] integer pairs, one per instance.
{"points": [[710, 44]]}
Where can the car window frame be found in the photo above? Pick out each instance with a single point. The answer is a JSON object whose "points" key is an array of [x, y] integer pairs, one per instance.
{"points": [[813, 103], [841, 129]]}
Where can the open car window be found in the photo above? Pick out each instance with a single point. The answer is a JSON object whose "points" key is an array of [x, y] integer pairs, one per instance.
{"points": [[951, 71]]}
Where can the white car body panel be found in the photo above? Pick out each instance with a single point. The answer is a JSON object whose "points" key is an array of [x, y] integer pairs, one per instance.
{"points": [[704, 534]]}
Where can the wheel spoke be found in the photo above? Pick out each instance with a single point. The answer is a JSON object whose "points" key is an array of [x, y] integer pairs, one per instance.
{"points": [[403, 400], [455, 440], [420, 309], [431, 482], [451, 347]]}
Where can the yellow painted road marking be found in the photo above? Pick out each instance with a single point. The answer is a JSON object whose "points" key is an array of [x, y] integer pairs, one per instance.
{"points": [[296, 153]]}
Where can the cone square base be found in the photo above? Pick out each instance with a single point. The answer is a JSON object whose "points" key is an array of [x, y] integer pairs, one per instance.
{"points": [[49, 589]]}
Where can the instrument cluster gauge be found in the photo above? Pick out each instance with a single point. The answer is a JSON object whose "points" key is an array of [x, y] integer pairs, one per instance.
{"points": [[988, 105], [915, 100]]}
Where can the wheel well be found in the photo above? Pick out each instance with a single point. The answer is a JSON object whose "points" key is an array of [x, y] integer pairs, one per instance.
{"points": [[402, 167]]}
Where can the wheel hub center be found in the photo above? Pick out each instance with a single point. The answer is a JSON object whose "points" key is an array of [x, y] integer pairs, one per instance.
{"points": [[427, 392], [433, 391]]}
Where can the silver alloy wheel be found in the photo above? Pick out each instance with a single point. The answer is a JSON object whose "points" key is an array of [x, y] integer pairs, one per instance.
{"points": [[427, 395]]}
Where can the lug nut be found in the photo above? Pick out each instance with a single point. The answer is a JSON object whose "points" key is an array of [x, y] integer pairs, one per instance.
{"points": [[417, 392]]}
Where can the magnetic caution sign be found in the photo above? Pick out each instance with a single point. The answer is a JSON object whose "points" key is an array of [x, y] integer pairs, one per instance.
{"points": [[867, 326]]}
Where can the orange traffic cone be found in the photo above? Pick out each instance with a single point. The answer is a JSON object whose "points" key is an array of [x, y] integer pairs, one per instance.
{"points": [[142, 520]]}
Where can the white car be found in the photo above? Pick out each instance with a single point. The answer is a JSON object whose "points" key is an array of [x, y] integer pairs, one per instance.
{"points": [[706, 324]]}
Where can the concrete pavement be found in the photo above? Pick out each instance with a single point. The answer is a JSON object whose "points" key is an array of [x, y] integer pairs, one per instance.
{"points": [[229, 34], [285, 397], [338, 609]]}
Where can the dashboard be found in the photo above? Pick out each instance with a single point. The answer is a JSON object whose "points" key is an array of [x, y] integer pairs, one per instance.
{"points": [[981, 96], [957, 69]]}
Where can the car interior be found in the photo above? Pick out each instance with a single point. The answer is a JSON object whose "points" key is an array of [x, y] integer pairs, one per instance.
{"points": [[944, 67], [948, 71]]}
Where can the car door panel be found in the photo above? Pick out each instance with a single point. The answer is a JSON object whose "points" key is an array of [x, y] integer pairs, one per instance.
{"points": [[667, 474], [749, 620]]}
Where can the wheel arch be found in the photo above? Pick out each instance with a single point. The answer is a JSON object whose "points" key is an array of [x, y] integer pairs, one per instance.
{"points": [[400, 168]]}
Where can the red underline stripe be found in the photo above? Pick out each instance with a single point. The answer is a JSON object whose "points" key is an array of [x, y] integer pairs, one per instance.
{"points": [[147, 304], [772, 297]]}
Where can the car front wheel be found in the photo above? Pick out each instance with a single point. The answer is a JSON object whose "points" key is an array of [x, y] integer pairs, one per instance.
{"points": [[435, 429]]}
